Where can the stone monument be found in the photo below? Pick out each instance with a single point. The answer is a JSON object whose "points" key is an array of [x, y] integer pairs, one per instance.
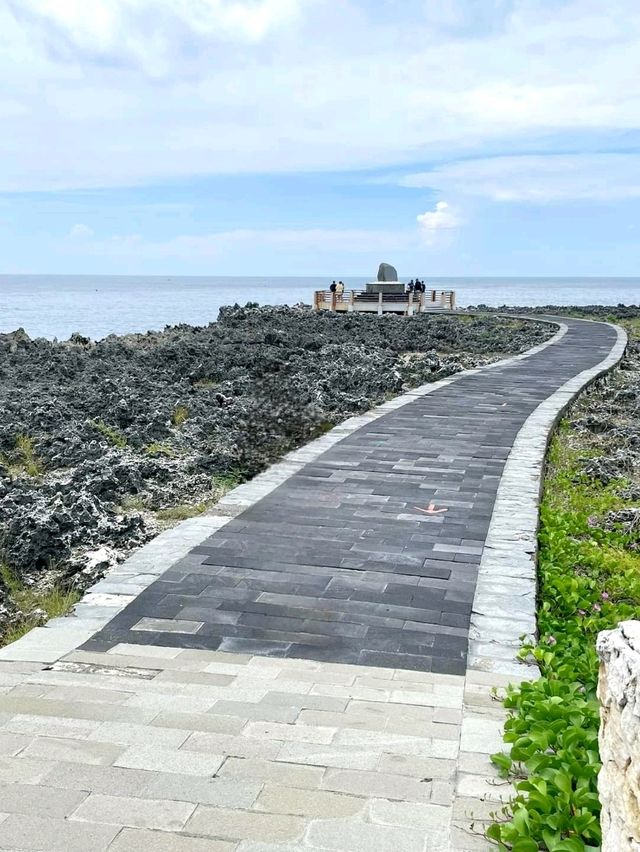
{"points": [[386, 272], [387, 281]]}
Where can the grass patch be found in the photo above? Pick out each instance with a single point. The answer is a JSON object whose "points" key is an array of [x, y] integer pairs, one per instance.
{"points": [[133, 503], [156, 448], [589, 581], [206, 383], [181, 513], [55, 602], [23, 459], [223, 482], [179, 416], [113, 435]]}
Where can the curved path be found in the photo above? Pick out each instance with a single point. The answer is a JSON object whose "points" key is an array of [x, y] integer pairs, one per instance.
{"points": [[369, 554], [309, 668]]}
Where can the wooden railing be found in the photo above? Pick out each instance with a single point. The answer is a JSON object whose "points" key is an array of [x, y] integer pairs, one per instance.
{"points": [[404, 303]]}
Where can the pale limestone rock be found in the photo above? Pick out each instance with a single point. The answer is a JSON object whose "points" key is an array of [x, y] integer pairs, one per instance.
{"points": [[619, 694]]}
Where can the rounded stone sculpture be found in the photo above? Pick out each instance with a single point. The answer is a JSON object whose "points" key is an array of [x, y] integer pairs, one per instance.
{"points": [[386, 272]]}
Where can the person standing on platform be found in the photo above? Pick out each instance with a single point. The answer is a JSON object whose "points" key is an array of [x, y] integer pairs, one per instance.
{"points": [[339, 290]]}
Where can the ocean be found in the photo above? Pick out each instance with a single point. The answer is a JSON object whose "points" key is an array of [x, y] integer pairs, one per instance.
{"points": [[55, 306]]}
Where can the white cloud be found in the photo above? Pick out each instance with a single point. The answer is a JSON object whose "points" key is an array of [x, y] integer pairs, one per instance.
{"points": [[80, 232], [539, 178], [121, 92], [441, 218]]}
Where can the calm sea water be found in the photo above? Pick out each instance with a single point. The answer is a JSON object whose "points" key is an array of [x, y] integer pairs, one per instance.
{"points": [[56, 306]]}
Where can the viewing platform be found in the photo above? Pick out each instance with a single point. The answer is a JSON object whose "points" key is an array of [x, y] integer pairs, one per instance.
{"points": [[365, 301]]}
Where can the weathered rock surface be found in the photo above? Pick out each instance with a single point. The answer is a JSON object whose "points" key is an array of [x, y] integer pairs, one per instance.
{"points": [[387, 272], [619, 779], [97, 438]]}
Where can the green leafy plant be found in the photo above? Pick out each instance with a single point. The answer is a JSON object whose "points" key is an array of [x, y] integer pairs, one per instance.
{"points": [[589, 581]]}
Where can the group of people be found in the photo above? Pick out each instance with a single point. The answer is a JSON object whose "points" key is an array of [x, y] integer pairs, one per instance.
{"points": [[416, 286], [338, 288]]}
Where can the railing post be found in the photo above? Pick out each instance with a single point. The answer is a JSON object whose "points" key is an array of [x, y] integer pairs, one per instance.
{"points": [[379, 304], [333, 301], [410, 309], [352, 296]]}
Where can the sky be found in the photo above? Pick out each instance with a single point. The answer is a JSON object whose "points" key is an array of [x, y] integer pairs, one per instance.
{"points": [[320, 137]]}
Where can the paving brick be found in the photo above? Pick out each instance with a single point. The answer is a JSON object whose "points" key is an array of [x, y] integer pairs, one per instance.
{"points": [[305, 702], [140, 840], [340, 720], [234, 746], [294, 733], [329, 755], [356, 836], [22, 770], [244, 825], [118, 781], [256, 712], [376, 785], [134, 812], [52, 726], [199, 722], [433, 820], [284, 774], [315, 804], [74, 709], [75, 751], [481, 734], [169, 760], [39, 799], [30, 832], [12, 743], [417, 767], [123, 733]]}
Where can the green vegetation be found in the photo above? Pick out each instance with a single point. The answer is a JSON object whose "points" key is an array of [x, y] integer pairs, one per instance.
{"points": [[133, 503], [113, 435], [206, 383], [54, 602], [589, 581], [223, 482], [23, 459], [156, 448], [181, 513], [179, 415]]}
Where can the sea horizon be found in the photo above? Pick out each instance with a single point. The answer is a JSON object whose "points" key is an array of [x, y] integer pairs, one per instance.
{"points": [[58, 305]]}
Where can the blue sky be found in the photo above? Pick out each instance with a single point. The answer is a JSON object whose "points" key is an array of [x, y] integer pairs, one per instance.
{"points": [[293, 137]]}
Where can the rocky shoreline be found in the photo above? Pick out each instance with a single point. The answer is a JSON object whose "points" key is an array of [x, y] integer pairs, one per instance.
{"points": [[103, 444]]}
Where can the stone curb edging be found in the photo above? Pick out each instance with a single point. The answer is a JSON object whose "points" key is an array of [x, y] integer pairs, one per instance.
{"points": [[126, 581], [504, 605]]}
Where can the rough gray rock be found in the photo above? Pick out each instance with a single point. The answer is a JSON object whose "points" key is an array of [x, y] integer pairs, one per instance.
{"points": [[386, 272]]}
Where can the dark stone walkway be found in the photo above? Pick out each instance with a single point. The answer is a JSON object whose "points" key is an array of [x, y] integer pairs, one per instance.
{"points": [[345, 562]]}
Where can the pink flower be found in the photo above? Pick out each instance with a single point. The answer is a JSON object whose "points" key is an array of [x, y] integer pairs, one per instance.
{"points": [[581, 612], [605, 596], [597, 607], [552, 640]]}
